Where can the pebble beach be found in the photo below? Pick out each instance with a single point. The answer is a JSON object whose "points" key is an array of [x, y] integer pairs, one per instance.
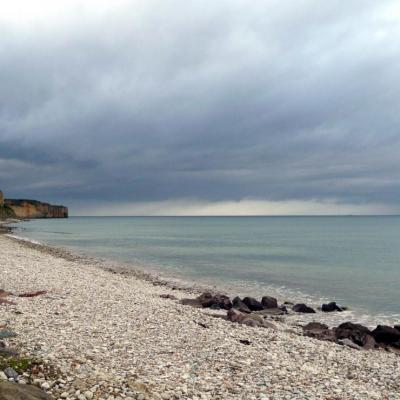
{"points": [[110, 336]]}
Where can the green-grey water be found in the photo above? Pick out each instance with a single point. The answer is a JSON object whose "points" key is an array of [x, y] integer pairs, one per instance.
{"points": [[354, 260]]}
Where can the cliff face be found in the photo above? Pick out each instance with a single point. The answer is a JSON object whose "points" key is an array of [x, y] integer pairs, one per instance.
{"points": [[10, 208], [35, 209]]}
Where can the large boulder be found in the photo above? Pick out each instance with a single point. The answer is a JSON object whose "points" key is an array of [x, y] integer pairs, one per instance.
{"points": [[253, 304], [222, 301], [14, 391], [386, 334], [357, 333], [318, 331], [303, 308], [330, 307], [253, 320], [209, 300], [269, 302], [239, 305]]}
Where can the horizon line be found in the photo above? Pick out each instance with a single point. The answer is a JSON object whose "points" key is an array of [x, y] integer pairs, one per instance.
{"points": [[236, 216]]}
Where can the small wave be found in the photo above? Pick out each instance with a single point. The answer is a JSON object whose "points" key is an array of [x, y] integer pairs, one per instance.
{"points": [[58, 233], [23, 239]]}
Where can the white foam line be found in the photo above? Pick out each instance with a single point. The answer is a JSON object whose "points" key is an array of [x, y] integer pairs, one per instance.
{"points": [[23, 239]]}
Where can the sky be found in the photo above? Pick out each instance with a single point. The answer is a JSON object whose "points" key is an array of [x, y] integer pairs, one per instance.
{"points": [[229, 107]]}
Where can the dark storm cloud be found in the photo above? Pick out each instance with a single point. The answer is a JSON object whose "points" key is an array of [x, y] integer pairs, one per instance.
{"points": [[208, 100]]}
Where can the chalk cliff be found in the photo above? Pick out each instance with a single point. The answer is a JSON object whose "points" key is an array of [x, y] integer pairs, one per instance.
{"points": [[22, 208]]}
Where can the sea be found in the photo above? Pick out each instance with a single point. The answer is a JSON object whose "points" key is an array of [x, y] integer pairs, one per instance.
{"points": [[353, 260]]}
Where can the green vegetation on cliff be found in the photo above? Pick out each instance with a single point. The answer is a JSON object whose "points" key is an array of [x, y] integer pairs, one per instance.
{"points": [[6, 212]]}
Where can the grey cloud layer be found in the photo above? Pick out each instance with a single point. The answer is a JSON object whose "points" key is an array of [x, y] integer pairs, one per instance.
{"points": [[209, 100]]}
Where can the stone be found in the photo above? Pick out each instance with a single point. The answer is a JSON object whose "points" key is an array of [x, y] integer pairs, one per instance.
{"points": [[349, 343], [168, 296], [239, 305], [253, 304], [330, 307], [11, 373], [33, 294], [191, 302], [357, 333], [386, 334], [222, 301], [269, 302], [253, 320], [5, 334], [397, 327], [318, 331], [303, 308], [216, 301], [14, 391]]}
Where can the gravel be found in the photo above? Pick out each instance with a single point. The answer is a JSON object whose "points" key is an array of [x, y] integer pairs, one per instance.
{"points": [[111, 336]]}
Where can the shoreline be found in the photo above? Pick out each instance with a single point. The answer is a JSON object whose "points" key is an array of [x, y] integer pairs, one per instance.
{"points": [[117, 325], [232, 288]]}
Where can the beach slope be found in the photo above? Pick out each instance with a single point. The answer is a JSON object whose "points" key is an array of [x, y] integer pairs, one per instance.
{"points": [[111, 336]]}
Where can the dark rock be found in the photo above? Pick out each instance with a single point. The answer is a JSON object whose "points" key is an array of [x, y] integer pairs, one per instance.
{"points": [[248, 319], [358, 334], [168, 296], [11, 373], [222, 301], [386, 334], [202, 324], [302, 308], [216, 301], [33, 294], [245, 341], [318, 331], [315, 326], [288, 303], [13, 391], [330, 307], [283, 309], [191, 302], [269, 302], [397, 327], [253, 304], [239, 305], [206, 299]]}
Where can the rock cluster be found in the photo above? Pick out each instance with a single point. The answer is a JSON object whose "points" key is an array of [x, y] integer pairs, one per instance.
{"points": [[356, 335]]}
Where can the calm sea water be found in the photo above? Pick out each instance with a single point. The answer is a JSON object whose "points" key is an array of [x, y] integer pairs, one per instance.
{"points": [[354, 260]]}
